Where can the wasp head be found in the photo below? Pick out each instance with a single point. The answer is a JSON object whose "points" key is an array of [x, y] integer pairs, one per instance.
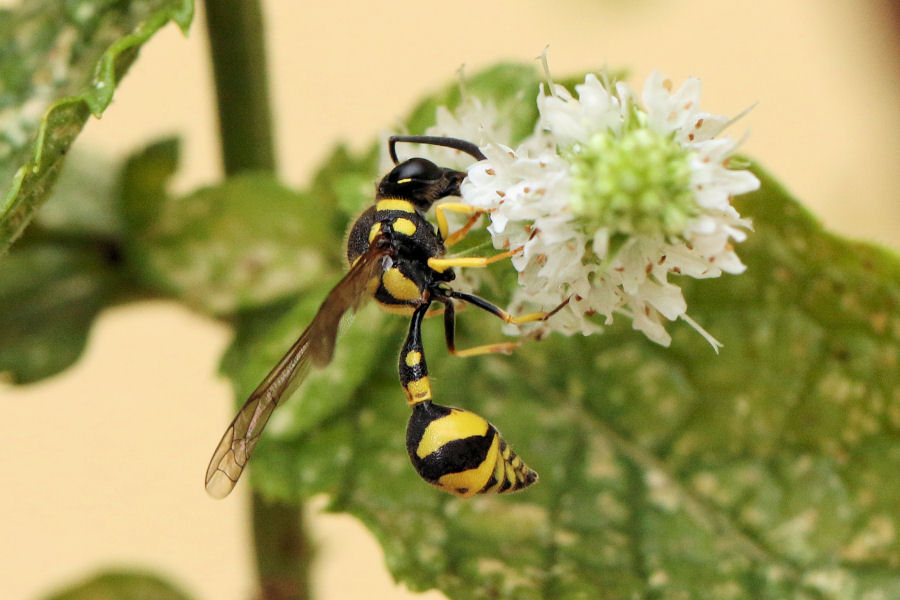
{"points": [[421, 182]]}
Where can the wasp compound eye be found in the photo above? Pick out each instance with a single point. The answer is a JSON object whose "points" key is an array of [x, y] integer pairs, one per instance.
{"points": [[415, 170], [461, 453], [421, 182]]}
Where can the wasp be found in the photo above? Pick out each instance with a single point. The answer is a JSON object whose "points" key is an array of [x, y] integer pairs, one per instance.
{"points": [[399, 258]]}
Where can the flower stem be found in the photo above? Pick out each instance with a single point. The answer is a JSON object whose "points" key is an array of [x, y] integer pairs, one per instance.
{"points": [[283, 548]]}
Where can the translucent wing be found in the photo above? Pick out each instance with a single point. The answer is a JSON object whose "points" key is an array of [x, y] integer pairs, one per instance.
{"points": [[315, 346]]}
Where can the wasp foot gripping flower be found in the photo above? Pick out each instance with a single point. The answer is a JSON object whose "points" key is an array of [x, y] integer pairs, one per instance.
{"points": [[608, 198]]}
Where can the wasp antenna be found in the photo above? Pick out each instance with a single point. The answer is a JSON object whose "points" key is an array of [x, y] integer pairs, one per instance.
{"points": [[434, 140]]}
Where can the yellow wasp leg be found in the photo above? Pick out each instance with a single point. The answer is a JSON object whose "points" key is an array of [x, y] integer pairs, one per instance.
{"points": [[457, 207], [442, 264], [461, 233], [502, 347]]}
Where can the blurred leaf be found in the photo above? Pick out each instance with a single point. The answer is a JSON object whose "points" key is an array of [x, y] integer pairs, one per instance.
{"points": [[768, 471], [512, 88], [347, 183], [62, 272], [263, 337], [235, 246], [505, 84], [121, 585], [59, 63], [144, 181], [84, 202], [50, 293]]}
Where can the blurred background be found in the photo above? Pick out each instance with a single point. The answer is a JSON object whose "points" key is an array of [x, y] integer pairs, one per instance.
{"points": [[104, 463]]}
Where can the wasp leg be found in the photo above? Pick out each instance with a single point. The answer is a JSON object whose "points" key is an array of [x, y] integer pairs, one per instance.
{"points": [[442, 264], [444, 227], [450, 336], [413, 369], [502, 314], [503, 347]]}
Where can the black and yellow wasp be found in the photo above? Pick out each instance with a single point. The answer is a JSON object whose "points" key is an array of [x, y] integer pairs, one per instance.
{"points": [[398, 257]]}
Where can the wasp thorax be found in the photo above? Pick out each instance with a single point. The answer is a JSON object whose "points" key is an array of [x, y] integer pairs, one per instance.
{"points": [[460, 452]]}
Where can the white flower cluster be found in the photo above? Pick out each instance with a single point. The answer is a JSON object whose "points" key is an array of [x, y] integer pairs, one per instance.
{"points": [[607, 198]]}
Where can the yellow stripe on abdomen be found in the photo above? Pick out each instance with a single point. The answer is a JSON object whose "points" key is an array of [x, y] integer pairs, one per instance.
{"points": [[459, 424], [468, 483]]}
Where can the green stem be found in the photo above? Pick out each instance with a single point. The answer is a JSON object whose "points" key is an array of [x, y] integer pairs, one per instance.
{"points": [[283, 549], [242, 84]]}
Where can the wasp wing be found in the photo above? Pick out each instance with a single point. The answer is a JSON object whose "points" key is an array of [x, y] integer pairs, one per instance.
{"points": [[314, 346]]}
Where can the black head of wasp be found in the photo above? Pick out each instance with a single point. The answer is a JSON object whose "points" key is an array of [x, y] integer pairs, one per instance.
{"points": [[398, 257]]}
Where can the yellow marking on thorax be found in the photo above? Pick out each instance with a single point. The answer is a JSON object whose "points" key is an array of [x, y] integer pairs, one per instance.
{"points": [[374, 231], [399, 286], [395, 204], [458, 424], [418, 391], [413, 358], [404, 226]]}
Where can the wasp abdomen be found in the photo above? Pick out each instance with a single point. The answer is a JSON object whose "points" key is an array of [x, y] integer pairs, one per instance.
{"points": [[460, 452]]}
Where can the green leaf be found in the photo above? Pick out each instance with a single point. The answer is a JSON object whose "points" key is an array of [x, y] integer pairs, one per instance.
{"points": [[231, 247], [121, 585], [768, 471], [144, 181], [505, 84], [62, 272], [60, 62], [84, 203], [346, 182], [50, 293]]}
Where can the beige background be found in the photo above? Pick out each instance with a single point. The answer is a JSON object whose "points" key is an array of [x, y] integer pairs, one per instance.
{"points": [[103, 464]]}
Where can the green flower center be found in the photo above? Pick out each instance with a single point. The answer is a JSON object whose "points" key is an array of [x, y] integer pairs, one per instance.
{"points": [[634, 183]]}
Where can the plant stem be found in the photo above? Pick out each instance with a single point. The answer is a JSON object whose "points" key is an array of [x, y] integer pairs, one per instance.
{"points": [[242, 84], [283, 549]]}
